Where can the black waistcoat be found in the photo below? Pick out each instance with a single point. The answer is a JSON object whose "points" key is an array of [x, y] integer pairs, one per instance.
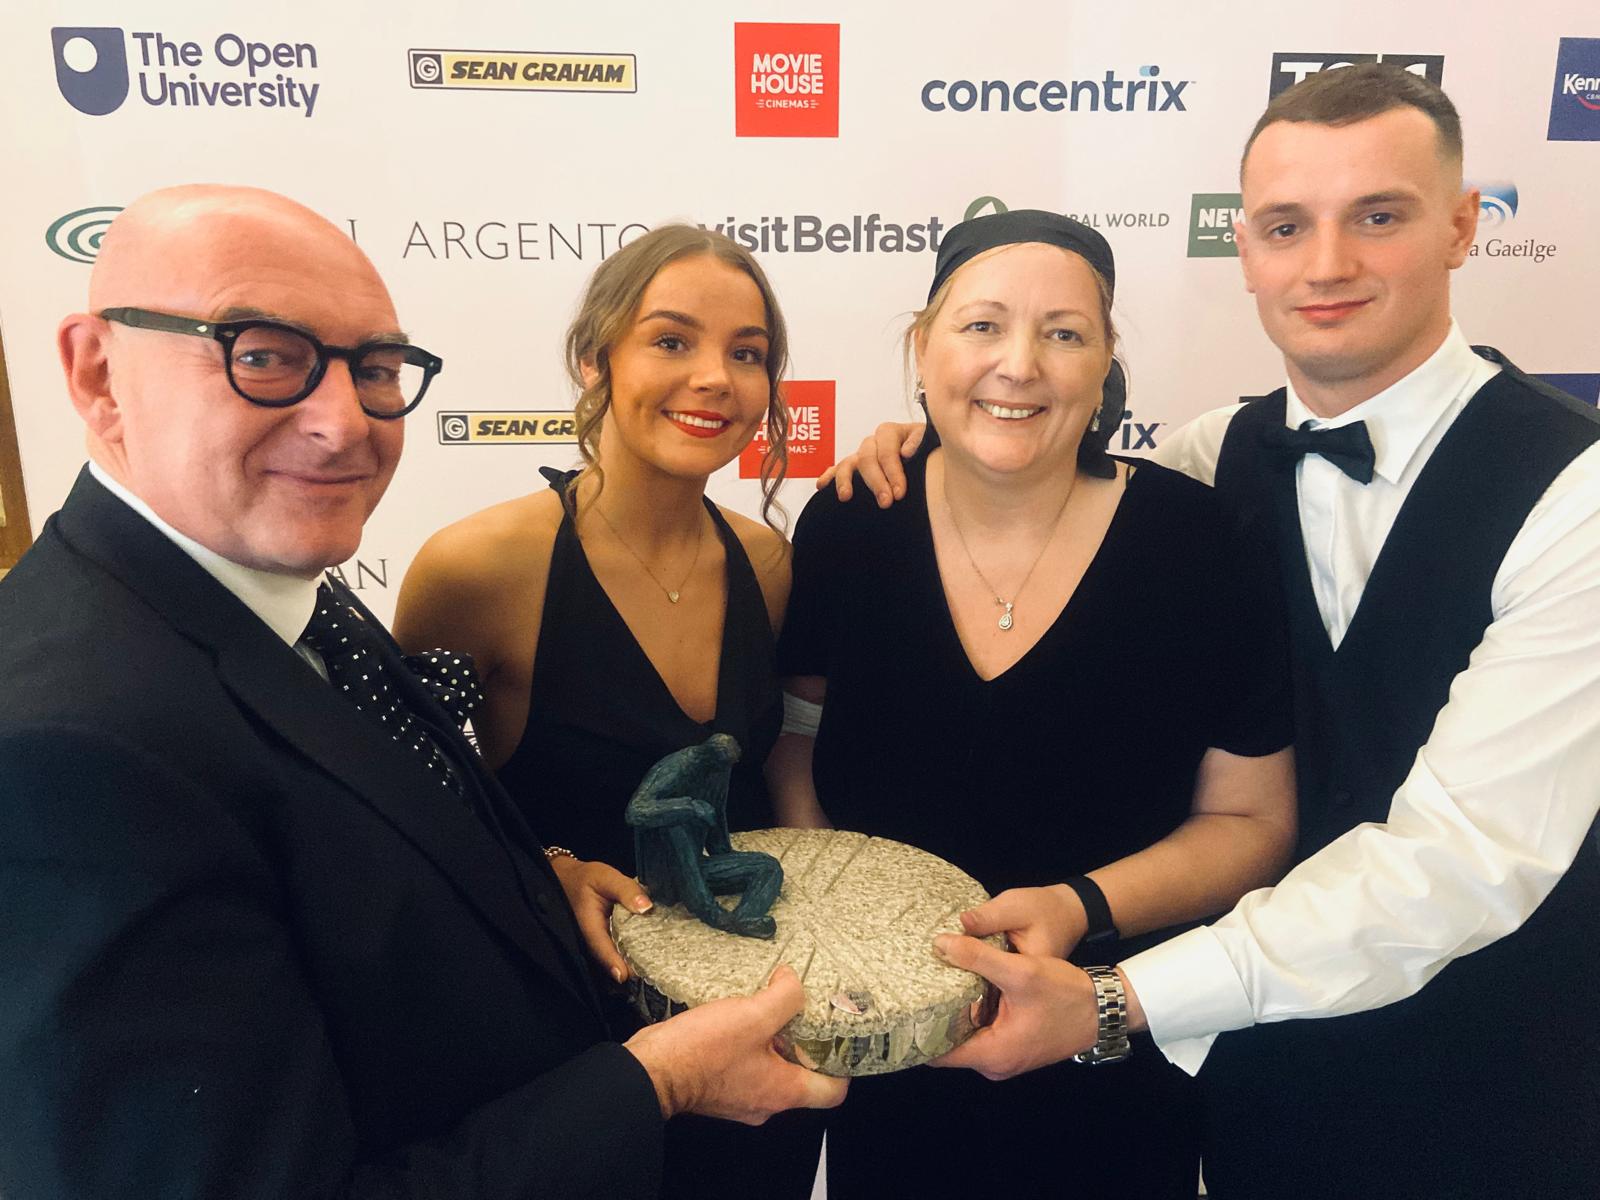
{"points": [[1487, 1082]]}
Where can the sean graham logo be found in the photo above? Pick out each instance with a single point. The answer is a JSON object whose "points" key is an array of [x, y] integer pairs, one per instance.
{"points": [[77, 235]]}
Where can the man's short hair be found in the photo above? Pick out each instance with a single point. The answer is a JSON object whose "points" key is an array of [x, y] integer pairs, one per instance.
{"points": [[1346, 95]]}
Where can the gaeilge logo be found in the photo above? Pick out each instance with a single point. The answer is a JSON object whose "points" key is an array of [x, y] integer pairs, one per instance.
{"points": [[1575, 98], [785, 80], [227, 71], [77, 235], [1497, 202], [1290, 69], [1211, 218], [811, 407], [522, 71], [1497, 209], [1104, 218], [1585, 387], [91, 67], [1144, 92], [507, 428]]}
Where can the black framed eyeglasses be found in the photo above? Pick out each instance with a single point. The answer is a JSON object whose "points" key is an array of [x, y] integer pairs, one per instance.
{"points": [[276, 365]]}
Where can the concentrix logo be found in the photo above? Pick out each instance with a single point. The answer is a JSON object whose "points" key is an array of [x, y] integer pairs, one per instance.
{"points": [[1575, 98], [1147, 92], [92, 71]]}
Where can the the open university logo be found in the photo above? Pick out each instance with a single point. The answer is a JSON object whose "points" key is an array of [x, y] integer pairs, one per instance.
{"points": [[1575, 98], [77, 235], [91, 67], [521, 71], [1289, 69], [508, 428]]}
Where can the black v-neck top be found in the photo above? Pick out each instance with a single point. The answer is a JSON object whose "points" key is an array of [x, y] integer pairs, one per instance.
{"points": [[1083, 751], [600, 715]]}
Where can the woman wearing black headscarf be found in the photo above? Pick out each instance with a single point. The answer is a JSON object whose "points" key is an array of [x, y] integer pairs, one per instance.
{"points": [[1042, 665]]}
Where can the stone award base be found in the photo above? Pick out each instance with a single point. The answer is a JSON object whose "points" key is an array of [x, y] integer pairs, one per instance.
{"points": [[856, 920]]}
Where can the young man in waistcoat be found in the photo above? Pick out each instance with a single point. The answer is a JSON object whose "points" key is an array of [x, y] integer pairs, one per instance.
{"points": [[1415, 1009]]}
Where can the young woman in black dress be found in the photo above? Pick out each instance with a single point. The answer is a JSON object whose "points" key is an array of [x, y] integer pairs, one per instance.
{"points": [[620, 615], [1041, 664]]}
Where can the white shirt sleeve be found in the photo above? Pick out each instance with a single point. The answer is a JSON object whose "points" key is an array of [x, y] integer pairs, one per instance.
{"points": [[1494, 810], [1193, 448]]}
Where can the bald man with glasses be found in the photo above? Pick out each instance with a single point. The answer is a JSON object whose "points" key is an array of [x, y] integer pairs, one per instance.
{"points": [[267, 927]]}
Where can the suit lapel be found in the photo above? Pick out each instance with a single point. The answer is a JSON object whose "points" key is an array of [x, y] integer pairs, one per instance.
{"points": [[270, 680]]}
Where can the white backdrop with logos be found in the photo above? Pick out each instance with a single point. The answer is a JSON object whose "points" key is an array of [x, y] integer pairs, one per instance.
{"points": [[488, 156]]}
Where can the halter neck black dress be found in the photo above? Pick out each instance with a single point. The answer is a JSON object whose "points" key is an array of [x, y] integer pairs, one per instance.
{"points": [[600, 716]]}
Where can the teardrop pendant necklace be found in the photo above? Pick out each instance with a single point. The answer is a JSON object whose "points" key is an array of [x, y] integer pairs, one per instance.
{"points": [[1006, 621], [673, 594]]}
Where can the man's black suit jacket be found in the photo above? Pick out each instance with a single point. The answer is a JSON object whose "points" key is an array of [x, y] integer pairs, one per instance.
{"points": [[248, 947]]}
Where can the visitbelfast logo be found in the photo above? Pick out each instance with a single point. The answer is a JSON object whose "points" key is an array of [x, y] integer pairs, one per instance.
{"points": [[77, 235], [785, 80], [507, 428], [1290, 69], [807, 233], [1584, 387], [522, 71], [1211, 218], [1145, 91], [1575, 99], [1498, 206], [1100, 218], [811, 409], [225, 71]]}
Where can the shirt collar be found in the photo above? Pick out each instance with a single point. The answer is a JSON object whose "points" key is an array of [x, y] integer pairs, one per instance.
{"points": [[1400, 417], [284, 602]]}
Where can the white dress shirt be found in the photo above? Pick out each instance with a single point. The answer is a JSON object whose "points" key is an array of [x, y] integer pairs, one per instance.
{"points": [[284, 602], [1497, 802]]}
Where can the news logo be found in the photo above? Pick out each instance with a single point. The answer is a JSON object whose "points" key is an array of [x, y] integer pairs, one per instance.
{"points": [[76, 236], [1575, 98], [1211, 218], [91, 67], [1290, 69], [811, 411], [785, 80], [508, 428]]}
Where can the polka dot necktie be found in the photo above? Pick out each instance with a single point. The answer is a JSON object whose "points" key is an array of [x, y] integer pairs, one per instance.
{"points": [[354, 658]]}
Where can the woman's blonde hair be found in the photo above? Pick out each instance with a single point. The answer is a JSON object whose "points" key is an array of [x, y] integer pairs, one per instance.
{"points": [[609, 303]]}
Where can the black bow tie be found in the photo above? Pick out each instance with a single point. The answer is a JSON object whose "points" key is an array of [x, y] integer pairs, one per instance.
{"points": [[1348, 447]]}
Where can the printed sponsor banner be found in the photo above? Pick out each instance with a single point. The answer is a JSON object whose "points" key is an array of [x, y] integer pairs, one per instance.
{"points": [[1211, 218], [785, 80], [507, 427], [522, 71], [811, 412], [1290, 69], [1575, 97]]}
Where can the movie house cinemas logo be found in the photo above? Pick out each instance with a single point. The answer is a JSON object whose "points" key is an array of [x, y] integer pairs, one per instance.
{"points": [[508, 428], [1290, 69], [785, 80], [811, 407], [224, 70], [1575, 98], [522, 71]]}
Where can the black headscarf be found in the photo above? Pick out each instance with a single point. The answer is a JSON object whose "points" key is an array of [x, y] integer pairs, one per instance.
{"points": [[971, 238]]}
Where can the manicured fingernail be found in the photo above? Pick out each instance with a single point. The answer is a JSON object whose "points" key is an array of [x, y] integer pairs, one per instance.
{"points": [[642, 904]]}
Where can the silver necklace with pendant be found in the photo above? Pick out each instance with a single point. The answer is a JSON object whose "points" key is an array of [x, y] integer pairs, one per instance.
{"points": [[1006, 621], [673, 594]]}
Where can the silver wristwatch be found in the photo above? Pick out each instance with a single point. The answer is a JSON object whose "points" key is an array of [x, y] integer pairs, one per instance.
{"points": [[1111, 1045]]}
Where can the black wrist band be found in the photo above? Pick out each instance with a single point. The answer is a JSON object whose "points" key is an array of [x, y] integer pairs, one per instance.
{"points": [[1101, 927]]}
